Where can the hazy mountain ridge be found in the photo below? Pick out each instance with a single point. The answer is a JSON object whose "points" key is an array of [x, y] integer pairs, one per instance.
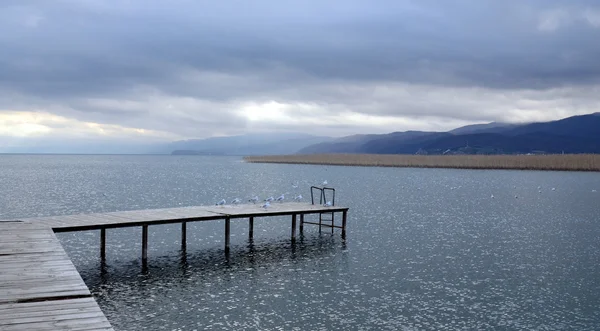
{"points": [[577, 134], [249, 144]]}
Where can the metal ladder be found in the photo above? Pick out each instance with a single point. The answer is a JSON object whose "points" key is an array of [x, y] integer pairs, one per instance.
{"points": [[330, 216]]}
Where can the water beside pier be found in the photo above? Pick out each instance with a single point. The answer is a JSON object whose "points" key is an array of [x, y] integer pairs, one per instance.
{"points": [[427, 249]]}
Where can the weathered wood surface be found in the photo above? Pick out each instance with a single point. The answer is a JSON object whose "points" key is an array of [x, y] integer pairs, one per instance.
{"points": [[174, 215], [40, 289], [68, 314]]}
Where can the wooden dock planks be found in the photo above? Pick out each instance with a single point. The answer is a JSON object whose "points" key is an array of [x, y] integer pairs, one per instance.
{"points": [[68, 314], [175, 215], [40, 289]]}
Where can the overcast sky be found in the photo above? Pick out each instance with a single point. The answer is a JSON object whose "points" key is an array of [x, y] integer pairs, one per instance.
{"points": [[165, 70]]}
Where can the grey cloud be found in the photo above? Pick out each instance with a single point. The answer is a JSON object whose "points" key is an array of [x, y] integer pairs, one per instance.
{"points": [[324, 52]]}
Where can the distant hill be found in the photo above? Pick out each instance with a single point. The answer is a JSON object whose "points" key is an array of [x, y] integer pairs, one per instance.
{"points": [[576, 126], [577, 134], [493, 127], [250, 144]]}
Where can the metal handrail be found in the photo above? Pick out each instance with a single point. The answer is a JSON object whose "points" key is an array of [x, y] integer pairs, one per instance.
{"points": [[322, 195]]}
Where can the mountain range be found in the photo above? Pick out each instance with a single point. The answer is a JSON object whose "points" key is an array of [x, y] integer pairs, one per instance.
{"points": [[577, 134], [248, 144]]}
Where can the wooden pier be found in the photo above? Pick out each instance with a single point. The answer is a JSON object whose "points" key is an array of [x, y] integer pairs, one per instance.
{"points": [[40, 289]]}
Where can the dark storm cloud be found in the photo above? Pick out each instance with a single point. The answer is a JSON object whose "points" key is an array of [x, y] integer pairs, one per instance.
{"points": [[91, 46], [129, 54]]}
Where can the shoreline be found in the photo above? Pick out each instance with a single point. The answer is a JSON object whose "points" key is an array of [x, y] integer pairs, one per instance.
{"points": [[550, 162]]}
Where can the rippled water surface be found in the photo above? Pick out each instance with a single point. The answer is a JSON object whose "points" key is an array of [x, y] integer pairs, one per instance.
{"points": [[427, 249]]}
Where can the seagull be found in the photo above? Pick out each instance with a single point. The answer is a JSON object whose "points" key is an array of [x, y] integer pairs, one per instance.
{"points": [[325, 183], [492, 196], [253, 200], [269, 199], [281, 198], [554, 189], [221, 203], [266, 205], [516, 197], [235, 201], [299, 197], [328, 204], [294, 185]]}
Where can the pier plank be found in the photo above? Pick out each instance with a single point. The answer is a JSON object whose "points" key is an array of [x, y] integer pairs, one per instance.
{"points": [[40, 288]]}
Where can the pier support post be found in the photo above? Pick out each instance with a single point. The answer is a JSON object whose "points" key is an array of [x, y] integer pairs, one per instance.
{"points": [[320, 221], [227, 234], [251, 228], [344, 217], [144, 244], [301, 224], [332, 222], [183, 235], [293, 227], [103, 244]]}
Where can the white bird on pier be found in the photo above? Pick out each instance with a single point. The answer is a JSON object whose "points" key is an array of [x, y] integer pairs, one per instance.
{"points": [[327, 204], [281, 198], [221, 203], [269, 199], [299, 197], [266, 205], [253, 200], [235, 201], [325, 183]]}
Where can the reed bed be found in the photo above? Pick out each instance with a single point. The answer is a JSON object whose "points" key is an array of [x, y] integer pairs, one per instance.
{"points": [[556, 162]]}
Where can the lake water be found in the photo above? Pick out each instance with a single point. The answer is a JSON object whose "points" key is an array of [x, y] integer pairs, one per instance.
{"points": [[427, 249]]}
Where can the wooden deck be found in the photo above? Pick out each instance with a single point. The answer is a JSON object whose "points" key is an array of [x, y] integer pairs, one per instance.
{"points": [[40, 288], [175, 215]]}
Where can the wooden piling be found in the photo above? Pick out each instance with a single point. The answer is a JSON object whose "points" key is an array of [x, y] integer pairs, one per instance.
{"points": [[103, 244], [293, 227], [251, 228], [344, 217], [227, 234], [332, 221], [183, 235], [144, 244], [301, 224], [320, 221]]}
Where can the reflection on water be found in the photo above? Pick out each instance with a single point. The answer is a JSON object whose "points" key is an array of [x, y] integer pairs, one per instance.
{"points": [[427, 249]]}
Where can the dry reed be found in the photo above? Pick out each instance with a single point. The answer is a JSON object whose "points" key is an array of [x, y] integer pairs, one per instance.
{"points": [[557, 162]]}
